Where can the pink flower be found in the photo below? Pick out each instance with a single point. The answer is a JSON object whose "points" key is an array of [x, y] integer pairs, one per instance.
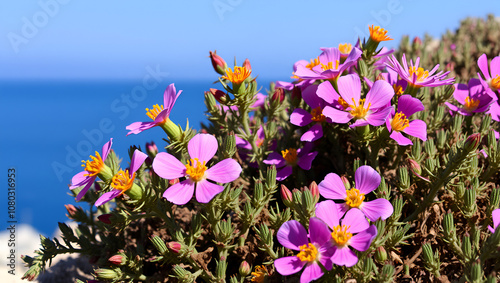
{"points": [[496, 220], [201, 148], [373, 110], [93, 168], [293, 235], [354, 231], [491, 79], [366, 180], [398, 122], [159, 114], [123, 180], [289, 158], [473, 97]]}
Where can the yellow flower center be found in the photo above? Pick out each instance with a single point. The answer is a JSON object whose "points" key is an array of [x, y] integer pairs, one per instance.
{"points": [[471, 104], [259, 274], [398, 90], [378, 34], [238, 76], [343, 103], [354, 198], [340, 235], [420, 72], [259, 142], [195, 169], [290, 155], [399, 122], [313, 63], [122, 181], [308, 253], [153, 113], [93, 166], [345, 48], [317, 115], [495, 82], [358, 111], [330, 66]]}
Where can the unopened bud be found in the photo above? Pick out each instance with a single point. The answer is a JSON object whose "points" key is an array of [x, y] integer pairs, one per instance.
{"points": [[174, 247], [472, 142], [346, 182], [415, 167], [71, 210], [218, 63], [247, 65], [219, 95], [151, 149], [286, 195], [245, 269], [380, 254], [278, 95], [117, 259], [313, 187], [173, 181], [104, 273], [417, 42], [105, 218]]}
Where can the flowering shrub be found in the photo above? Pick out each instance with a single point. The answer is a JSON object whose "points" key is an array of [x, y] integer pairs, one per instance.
{"points": [[393, 165]]}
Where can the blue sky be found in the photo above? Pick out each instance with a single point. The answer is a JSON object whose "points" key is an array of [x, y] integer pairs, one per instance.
{"points": [[117, 39]]}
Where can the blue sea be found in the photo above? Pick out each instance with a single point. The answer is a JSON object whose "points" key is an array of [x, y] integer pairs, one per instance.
{"points": [[48, 127]]}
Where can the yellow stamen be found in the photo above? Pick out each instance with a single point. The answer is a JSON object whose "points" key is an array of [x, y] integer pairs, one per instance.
{"points": [[122, 181], [495, 82], [399, 122], [471, 104], [345, 48], [354, 198], [358, 111], [317, 115], [340, 235], [195, 169], [290, 155], [420, 72], [238, 76], [343, 103], [308, 253], [94, 166], [398, 90], [259, 274], [329, 66], [153, 113], [314, 63], [378, 34]]}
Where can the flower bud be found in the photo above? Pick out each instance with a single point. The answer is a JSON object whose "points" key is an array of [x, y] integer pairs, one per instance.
{"points": [[173, 181], [71, 210], [415, 167], [472, 142], [174, 247], [117, 259], [104, 273], [218, 63], [245, 269], [278, 95], [220, 96], [247, 65], [313, 187], [417, 43], [286, 195], [151, 149], [105, 218], [346, 182], [380, 254]]}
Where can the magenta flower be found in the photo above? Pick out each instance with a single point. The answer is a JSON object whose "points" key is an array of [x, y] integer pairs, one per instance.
{"points": [[123, 180], [159, 114], [293, 235], [373, 110], [328, 66], [473, 97], [366, 180], [491, 76], [301, 117], [399, 85], [289, 158], [416, 76], [93, 168], [201, 148], [397, 123], [496, 220], [354, 231]]}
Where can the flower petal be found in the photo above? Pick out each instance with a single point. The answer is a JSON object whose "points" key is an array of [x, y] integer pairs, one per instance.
{"points": [[275, 158], [313, 134], [169, 98], [225, 171], [300, 117], [378, 117], [327, 92], [138, 127], [482, 62], [378, 208], [137, 159], [344, 256], [332, 187], [311, 98], [203, 147], [379, 95], [318, 231], [292, 235], [205, 191], [328, 212], [495, 215], [168, 167], [367, 179], [107, 197], [85, 189], [311, 272], [106, 148], [356, 219], [337, 116], [349, 87], [288, 265], [417, 128], [81, 179], [304, 161], [400, 139], [363, 240], [409, 105], [180, 193], [283, 173]]}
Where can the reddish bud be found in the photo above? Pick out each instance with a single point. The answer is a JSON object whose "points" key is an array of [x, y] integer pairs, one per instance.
{"points": [[313, 187], [417, 41], [380, 254], [105, 218], [472, 142], [151, 149], [173, 181], [117, 260], [286, 195], [71, 210], [245, 269], [219, 95], [414, 167], [247, 65], [278, 95], [174, 247], [218, 63], [346, 182]]}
